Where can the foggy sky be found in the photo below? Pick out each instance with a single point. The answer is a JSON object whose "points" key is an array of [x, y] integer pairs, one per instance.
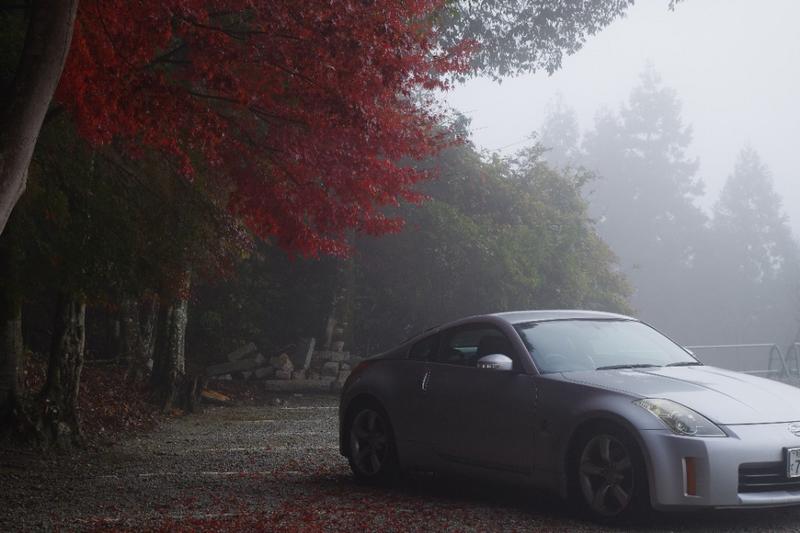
{"points": [[735, 65]]}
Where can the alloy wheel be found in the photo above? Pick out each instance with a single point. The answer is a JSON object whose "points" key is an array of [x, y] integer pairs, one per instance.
{"points": [[605, 474], [369, 442]]}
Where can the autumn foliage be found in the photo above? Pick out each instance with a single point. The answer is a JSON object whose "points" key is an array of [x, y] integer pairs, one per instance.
{"points": [[301, 113]]}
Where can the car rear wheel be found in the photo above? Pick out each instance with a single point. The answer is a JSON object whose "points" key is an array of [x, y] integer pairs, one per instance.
{"points": [[371, 448], [609, 479]]}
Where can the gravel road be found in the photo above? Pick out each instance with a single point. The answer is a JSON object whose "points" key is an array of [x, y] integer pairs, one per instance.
{"points": [[277, 468]]}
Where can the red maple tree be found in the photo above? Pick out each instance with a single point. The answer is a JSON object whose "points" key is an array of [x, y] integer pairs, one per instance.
{"points": [[302, 111]]}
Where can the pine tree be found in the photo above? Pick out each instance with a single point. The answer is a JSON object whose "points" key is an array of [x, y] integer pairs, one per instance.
{"points": [[560, 135], [752, 265], [643, 197]]}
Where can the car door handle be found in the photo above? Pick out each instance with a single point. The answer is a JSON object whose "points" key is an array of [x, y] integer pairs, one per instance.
{"points": [[426, 380]]}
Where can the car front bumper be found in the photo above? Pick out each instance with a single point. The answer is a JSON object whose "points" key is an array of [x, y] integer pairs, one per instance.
{"points": [[745, 469]]}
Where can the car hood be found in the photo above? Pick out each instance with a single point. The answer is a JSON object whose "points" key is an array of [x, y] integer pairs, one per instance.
{"points": [[723, 396]]}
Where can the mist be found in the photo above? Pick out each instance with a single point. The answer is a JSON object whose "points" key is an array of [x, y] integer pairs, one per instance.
{"points": [[730, 62], [714, 80]]}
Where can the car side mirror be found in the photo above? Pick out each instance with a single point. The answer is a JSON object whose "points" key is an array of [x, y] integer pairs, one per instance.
{"points": [[495, 361]]}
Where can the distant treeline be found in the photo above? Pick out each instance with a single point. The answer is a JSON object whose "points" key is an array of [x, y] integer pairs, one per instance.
{"points": [[731, 277]]}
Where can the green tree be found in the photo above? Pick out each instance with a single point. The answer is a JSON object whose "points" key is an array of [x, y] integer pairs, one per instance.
{"points": [[643, 198], [499, 235], [516, 36], [752, 265], [560, 135]]}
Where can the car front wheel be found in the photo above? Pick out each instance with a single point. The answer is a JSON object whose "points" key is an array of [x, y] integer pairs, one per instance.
{"points": [[609, 480], [372, 454]]}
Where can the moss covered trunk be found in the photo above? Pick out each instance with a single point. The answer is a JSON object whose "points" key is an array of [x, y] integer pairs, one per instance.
{"points": [[60, 421], [169, 363]]}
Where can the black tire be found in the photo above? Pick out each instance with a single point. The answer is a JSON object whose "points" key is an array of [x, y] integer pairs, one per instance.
{"points": [[608, 476], [371, 449]]}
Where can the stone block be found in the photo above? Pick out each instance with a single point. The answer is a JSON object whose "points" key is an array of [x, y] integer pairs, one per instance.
{"points": [[242, 352], [283, 374], [282, 362], [321, 355], [241, 365], [299, 374], [343, 375], [330, 369], [303, 352], [265, 372]]}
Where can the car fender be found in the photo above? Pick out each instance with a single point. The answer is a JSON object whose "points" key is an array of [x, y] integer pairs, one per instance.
{"points": [[374, 385], [605, 406]]}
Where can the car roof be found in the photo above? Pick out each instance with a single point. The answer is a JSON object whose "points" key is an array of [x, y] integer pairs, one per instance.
{"points": [[520, 317]]}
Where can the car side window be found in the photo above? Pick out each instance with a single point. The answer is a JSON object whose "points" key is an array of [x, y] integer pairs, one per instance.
{"points": [[465, 345], [424, 350]]}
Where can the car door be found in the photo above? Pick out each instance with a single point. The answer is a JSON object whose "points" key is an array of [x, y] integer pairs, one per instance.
{"points": [[410, 413], [481, 417]]}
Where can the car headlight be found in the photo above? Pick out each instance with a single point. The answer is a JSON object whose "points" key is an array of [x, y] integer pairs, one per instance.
{"points": [[680, 419]]}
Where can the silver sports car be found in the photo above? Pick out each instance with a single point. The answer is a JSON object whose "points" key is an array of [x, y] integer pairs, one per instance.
{"points": [[599, 407]]}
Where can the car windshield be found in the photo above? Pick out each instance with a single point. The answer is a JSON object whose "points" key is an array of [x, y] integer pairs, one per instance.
{"points": [[573, 345]]}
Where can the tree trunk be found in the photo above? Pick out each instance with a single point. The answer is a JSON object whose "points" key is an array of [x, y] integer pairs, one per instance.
{"points": [[10, 353], [10, 324], [132, 346], [149, 325], [60, 420], [114, 336], [337, 326], [23, 109], [128, 330], [160, 353], [15, 420], [169, 367]]}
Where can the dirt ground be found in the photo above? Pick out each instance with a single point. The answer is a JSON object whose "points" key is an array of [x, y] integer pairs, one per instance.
{"points": [[277, 468]]}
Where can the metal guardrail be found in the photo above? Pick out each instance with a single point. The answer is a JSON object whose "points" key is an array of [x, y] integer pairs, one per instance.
{"points": [[793, 359], [778, 366]]}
